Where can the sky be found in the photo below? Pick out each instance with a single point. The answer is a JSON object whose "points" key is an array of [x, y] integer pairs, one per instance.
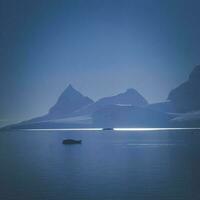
{"points": [[101, 47]]}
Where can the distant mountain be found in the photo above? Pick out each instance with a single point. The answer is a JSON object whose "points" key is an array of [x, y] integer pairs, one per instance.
{"points": [[127, 109], [130, 97], [186, 97], [74, 109], [69, 101], [130, 116]]}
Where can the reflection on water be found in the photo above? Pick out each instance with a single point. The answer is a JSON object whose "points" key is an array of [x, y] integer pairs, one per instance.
{"points": [[147, 144], [106, 166]]}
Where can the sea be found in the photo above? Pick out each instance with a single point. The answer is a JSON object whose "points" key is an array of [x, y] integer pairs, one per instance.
{"points": [[107, 165]]}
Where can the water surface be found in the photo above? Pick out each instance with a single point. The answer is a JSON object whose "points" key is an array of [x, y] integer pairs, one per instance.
{"points": [[107, 165]]}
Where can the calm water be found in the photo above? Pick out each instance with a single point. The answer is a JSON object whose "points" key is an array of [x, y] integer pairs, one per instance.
{"points": [[106, 166]]}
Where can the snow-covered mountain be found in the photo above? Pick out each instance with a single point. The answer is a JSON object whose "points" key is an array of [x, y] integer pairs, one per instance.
{"points": [[127, 109], [74, 109], [129, 97], [68, 102]]}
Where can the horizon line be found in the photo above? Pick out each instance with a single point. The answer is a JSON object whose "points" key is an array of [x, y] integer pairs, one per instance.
{"points": [[112, 129]]}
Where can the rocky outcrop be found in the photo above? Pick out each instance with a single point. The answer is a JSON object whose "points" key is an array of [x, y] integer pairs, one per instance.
{"points": [[186, 97]]}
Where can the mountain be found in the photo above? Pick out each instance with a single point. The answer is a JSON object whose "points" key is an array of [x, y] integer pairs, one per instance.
{"points": [[75, 110], [69, 101], [127, 109], [186, 97], [130, 97]]}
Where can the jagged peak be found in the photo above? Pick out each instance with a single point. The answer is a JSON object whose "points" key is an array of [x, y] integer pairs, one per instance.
{"points": [[70, 87], [70, 90], [131, 90], [69, 101]]}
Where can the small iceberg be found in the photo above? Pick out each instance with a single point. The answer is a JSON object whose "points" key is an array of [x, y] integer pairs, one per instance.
{"points": [[108, 129], [71, 141]]}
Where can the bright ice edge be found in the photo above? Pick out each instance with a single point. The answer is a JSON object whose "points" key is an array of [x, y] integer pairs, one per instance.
{"points": [[114, 129]]}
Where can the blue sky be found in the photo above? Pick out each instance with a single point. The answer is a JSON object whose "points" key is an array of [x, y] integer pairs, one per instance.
{"points": [[102, 47]]}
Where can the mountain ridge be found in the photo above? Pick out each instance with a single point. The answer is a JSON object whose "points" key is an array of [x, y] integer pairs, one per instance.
{"points": [[129, 97], [72, 105]]}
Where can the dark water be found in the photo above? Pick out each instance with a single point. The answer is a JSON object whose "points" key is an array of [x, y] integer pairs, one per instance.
{"points": [[106, 166]]}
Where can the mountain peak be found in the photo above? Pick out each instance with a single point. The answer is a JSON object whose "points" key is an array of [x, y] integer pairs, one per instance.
{"points": [[69, 101], [70, 86], [129, 97], [70, 93], [130, 90]]}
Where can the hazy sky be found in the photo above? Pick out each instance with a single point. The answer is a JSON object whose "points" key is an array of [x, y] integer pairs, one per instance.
{"points": [[102, 47]]}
